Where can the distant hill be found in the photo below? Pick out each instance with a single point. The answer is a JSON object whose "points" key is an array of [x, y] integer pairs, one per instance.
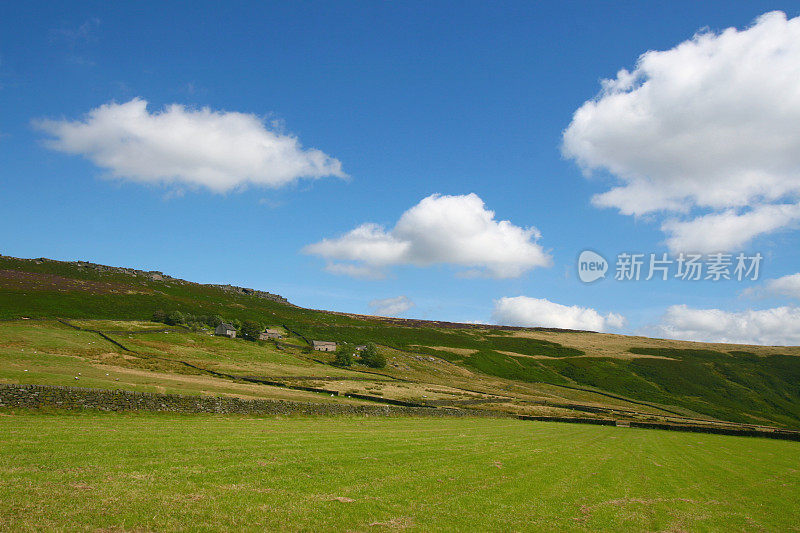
{"points": [[749, 384]]}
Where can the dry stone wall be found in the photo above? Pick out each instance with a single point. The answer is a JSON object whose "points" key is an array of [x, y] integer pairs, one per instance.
{"points": [[72, 398]]}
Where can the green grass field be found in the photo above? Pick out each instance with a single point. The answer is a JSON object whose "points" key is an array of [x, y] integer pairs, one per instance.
{"points": [[112, 472]]}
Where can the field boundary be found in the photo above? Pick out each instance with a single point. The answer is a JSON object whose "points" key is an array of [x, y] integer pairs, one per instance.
{"points": [[780, 434], [120, 400], [78, 398]]}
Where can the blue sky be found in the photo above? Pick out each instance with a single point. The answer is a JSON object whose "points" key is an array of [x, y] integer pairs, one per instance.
{"points": [[413, 100]]}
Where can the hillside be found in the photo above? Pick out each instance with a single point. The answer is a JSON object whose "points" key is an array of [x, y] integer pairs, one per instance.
{"points": [[519, 370]]}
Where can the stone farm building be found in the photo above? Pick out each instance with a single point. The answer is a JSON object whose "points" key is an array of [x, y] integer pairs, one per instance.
{"points": [[225, 329], [324, 346], [270, 333]]}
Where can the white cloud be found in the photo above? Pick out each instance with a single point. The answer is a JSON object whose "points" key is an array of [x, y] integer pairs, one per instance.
{"points": [[190, 147], [776, 326], [728, 230], [456, 230], [538, 312], [786, 286], [709, 125], [391, 306], [355, 271]]}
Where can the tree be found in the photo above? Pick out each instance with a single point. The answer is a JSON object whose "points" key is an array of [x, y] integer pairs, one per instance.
{"points": [[251, 330], [175, 318], [344, 355], [159, 316], [371, 357]]}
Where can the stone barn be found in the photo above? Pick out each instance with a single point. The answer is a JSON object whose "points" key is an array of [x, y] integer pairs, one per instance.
{"points": [[270, 333], [324, 346], [226, 330]]}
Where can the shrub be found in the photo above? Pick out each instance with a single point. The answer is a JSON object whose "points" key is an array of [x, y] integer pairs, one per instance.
{"points": [[371, 357], [175, 318], [344, 355], [250, 330]]}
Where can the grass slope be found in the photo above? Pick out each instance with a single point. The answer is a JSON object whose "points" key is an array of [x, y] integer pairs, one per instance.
{"points": [[200, 473], [50, 353], [742, 384]]}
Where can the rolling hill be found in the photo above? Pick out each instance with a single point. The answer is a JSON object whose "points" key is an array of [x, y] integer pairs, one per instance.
{"points": [[53, 311]]}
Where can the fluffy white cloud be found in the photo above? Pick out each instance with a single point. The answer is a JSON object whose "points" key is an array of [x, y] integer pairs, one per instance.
{"points": [[456, 230], [192, 147], [728, 230], [391, 306], [708, 125], [777, 326], [786, 286], [538, 312]]}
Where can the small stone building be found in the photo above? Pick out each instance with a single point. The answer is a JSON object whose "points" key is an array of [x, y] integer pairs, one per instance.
{"points": [[324, 346], [270, 333], [225, 330]]}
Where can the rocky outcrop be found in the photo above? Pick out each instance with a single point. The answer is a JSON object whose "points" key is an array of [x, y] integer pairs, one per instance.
{"points": [[252, 292]]}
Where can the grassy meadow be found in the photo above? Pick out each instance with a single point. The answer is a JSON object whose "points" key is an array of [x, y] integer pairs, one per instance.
{"points": [[137, 472]]}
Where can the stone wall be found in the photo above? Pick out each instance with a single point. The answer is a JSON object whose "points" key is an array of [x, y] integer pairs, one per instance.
{"points": [[774, 433], [570, 419], [76, 398]]}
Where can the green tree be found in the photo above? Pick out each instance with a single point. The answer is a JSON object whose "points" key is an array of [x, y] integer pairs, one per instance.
{"points": [[159, 316], [344, 355], [175, 318], [250, 330], [371, 357]]}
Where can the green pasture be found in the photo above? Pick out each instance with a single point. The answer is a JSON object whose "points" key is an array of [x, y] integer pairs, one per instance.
{"points": [[147, 472]]}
